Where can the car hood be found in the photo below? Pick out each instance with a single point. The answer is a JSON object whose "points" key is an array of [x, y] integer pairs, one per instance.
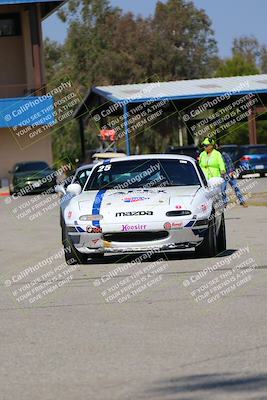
{"points": [[127, 200]]}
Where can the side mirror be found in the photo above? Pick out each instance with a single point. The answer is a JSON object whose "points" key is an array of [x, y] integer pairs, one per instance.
{"points": [[60, 189], [74, 188]]}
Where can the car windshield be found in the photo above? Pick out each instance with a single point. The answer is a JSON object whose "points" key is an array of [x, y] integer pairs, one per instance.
{"points": [[255, 150], [33, 166], [143, 173]]}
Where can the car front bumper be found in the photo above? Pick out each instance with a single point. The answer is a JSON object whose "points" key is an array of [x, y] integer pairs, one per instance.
{"points": [[93, 243], [32, 187]]}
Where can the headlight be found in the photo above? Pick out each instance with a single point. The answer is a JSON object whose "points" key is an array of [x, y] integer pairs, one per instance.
{"points": [[90, 217]]}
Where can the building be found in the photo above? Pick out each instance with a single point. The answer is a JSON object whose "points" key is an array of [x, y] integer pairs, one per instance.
{"points": [[22, 80]]}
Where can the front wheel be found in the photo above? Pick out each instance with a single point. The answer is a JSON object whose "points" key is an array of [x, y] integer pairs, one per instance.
{"points": [[221, 239], [208, 247], [73, 256]]}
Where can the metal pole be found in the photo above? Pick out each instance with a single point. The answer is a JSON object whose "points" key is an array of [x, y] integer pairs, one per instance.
{"points": [[81, 125], [36, 47], [125, 117], [252, 126]]}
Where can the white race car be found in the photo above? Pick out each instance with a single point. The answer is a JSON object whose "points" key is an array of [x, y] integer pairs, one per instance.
{"points": [[139, 203]]}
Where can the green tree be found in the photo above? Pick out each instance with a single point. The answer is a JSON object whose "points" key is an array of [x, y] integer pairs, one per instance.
{"points": [[54, 61], [238, 65], [106, 46], [184, 42], [263, 59], [248, 47]]}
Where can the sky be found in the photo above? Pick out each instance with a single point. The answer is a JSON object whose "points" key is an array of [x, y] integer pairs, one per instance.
{"points": [[230, 19]]}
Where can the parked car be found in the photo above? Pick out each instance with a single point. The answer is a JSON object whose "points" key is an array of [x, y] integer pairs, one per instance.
{"points": [[80, 177], [232, 150], [190, 151], [253, 159], [31, 177]]}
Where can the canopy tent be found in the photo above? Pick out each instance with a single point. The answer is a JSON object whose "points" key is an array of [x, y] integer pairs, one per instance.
{"points": [[183, 93], [47, 6]]}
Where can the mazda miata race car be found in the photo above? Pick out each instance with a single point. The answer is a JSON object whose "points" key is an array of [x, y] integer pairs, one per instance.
{"points": [[140, 203]]}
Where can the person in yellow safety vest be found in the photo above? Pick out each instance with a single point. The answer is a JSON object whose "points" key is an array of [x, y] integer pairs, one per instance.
{"points": [[211, 161]]}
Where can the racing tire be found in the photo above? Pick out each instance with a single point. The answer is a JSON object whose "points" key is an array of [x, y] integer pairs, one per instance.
{"points": [[72, 256], [221, 238], [208, 247]]}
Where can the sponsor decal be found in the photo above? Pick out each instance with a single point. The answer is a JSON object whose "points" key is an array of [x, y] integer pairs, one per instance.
{"points": [[167, 226], [90, 217], [69, 214], [139, 191], [134, 199], [116, 193], [173, 225], [95, 243], [93, 229], [133, 213], [177, 225], [204, 207], [129, 228]]}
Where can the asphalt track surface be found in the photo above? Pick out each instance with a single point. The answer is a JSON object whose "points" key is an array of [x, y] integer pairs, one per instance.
{"points": [[161, 343]]}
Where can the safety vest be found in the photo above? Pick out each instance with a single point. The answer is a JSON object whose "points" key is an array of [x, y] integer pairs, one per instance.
{"points": [[212, 164]]}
